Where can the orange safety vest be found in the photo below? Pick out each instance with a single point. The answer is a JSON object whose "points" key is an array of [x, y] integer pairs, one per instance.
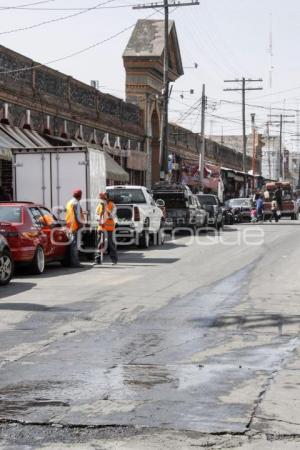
{"points": [[71, 220], [105, 212], [48, 219]]}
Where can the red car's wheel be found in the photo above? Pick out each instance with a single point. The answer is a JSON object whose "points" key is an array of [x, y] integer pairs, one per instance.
{"points": [[38, 263], [6, 268]]}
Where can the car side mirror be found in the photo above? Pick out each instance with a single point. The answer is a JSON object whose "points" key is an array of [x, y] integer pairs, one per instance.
{"points": [[160, 203]]}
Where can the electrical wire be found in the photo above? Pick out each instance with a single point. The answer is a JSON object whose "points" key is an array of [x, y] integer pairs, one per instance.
{"points": [[58, 19], [214, 26], [78, 52], [28, 8], [3, 8], [199, 38], [206, 32], [261, 106], [215, 67]]}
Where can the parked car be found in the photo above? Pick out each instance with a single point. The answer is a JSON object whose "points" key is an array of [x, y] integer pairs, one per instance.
{"points": [[213, 206], [6, 262], [138, 216], [240, 208], [182, 207], [203, 214], [34, 235]]}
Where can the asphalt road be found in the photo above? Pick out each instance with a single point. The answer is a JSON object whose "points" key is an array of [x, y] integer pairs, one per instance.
{"points": [[195, 344]]}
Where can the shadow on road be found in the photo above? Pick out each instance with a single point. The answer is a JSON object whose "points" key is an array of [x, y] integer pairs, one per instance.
{"points": [[135, 257], [281, 223], [52, 270], [15, 288], [250, 321], [229, 228], [31, 307]]}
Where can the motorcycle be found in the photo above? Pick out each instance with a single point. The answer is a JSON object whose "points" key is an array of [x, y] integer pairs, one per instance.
{"points": [[228, 217], [237, 215]]}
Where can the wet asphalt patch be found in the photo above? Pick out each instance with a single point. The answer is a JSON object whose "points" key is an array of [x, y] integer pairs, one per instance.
{"points": [[148, 372]]}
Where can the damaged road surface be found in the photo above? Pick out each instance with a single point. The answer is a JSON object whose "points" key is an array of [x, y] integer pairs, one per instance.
{"points": [[195, 344]]}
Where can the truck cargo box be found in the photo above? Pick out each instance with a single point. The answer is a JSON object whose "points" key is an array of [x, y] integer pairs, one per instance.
{"points": [[49, 175]]}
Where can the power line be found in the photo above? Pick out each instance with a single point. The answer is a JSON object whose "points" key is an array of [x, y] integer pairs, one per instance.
{"points": [[28, 8], [260, 106], [215, 27], [71, 55], [24, 6], [58, 19], [192, 26], [206, 33]]}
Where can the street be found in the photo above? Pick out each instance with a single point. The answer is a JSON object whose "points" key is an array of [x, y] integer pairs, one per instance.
{"points": [[191, 345]]}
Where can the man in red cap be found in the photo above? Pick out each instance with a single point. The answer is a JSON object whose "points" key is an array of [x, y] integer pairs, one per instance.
{"points": [[105, 214], [74, 221]]}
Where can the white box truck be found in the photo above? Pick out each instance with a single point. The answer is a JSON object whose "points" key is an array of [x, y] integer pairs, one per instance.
{"points": [[48, 176]]}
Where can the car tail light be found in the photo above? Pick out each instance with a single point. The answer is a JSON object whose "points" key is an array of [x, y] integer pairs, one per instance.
{"points": [[136, 214]]}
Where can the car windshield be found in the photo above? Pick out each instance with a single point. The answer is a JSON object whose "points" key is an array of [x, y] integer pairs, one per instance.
{"points": [[239, 202], [207, 200], [10, 214], [125, 196]]}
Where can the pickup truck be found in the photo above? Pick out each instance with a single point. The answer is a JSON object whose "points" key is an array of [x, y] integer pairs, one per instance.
{"points": [[182, 207], [289, 207], [212, 205], [138, 216]]}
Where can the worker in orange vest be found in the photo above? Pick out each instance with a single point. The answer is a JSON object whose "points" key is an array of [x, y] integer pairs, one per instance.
{"points": [[74, 222], [105, 214]]}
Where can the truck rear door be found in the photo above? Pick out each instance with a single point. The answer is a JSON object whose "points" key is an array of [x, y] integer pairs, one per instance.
{"points": [[69, 172], [33, 178]]}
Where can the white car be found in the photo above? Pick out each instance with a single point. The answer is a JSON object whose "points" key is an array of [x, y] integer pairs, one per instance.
{"points": [[138, 216]]}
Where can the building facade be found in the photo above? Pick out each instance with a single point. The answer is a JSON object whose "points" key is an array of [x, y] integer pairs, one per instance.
{"points": [[62, 108]]}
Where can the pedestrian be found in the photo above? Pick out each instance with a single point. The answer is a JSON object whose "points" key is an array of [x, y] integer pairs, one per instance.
{"points": [[100, 232], [275, 212], [259, 208], [74, 222], [266, 195], [4, 196], [278, 197], [253, 215], [106, 213]]}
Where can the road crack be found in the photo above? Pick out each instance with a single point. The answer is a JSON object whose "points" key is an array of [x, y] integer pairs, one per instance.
{"points": [[270, 379]]}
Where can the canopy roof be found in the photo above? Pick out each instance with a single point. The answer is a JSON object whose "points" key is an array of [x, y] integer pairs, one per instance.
{"points": [[114, 171]]}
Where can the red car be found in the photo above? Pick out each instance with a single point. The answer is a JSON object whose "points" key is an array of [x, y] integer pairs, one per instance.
{"points": [[34, 235]]}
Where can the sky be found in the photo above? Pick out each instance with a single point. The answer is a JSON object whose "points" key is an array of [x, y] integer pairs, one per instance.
{"points": [[228, 39]]}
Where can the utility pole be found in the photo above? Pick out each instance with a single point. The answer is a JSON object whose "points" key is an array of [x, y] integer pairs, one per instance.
{"points": [[280, 122], [202, 151], [253, 147], [244, 88], [268, 149], [165, 92], [297, 139]]}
